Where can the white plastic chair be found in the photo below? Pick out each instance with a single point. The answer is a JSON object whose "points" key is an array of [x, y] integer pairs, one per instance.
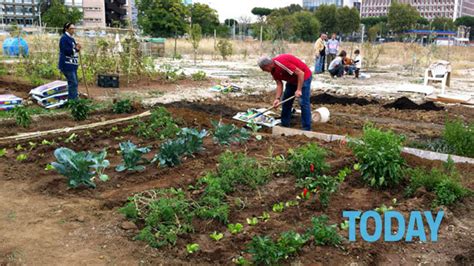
{"points": [[437, 72]]}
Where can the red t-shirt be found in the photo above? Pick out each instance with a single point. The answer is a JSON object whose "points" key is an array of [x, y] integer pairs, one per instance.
{"points": [[285, 66]]}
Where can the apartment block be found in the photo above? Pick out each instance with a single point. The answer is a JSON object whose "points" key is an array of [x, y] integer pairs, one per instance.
{"points": [[428, 8], [94, 13], [22, 12]]}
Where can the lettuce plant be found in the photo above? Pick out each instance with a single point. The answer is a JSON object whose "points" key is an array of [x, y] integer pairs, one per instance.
{"points": [[132, 156]]}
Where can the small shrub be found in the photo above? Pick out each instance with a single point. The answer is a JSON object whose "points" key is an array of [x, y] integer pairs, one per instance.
{"points": [[199, 76], [22, 116], [460, 137], [123, 107], [308, 160], [225, 48], [132, 156], [80, 168], [226, 134], [80, 109], [322, 233], [165, 213], [379, 154]]}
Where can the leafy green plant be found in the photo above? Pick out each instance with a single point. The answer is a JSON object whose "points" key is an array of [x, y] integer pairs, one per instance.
{"points": [[252, 221], [132, 156], [166, 214], [240, 261], [193, 139], [308, 160], [322, 233], [226, 134], [49, 167], [443, 182], [81, 167], [216, 236], [278, 207], [345, 225], [264, 217], [22, 157], [22, 116], [383, 209], [225, 48], [379, 156], [235, 228], [3, 152], [170, 153], [192, 248], [123, 107], [253, 126], [199, 76], [323, 185], [80, 109], [47, 142], [71, 139], [160, 125], [460, 137], [19, 147]]}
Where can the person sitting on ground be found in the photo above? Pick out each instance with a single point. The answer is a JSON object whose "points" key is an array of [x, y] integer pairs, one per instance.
{"points": [[358, 63], [336, 68], [298, 77]]}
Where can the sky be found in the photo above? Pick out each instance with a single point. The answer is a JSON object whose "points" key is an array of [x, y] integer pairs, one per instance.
{"points": [[238, 8]]}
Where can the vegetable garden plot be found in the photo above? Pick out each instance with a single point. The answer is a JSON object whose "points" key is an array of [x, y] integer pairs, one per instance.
{"points": [[256, 185]]}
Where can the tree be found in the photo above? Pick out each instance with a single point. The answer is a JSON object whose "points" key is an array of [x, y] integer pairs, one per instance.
{"points": [[205, 16], [195, 36], [348, 19], [467, 21], [372, 21], [57, 14], [307, 26], [261, 12], [162, 18], [402, 17], [280, 25], [294, 8], [326, 14], [440, 23]]}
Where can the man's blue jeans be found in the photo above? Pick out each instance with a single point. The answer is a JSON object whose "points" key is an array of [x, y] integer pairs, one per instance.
{"points": [[319, 65], [305, 105], [72, 84]]}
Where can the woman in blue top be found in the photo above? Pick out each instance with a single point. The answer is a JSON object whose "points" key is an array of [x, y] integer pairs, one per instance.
{"points": [[68, 59]]}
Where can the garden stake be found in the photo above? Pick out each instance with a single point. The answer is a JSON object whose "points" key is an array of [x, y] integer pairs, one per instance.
{"points": [[84, 75]]}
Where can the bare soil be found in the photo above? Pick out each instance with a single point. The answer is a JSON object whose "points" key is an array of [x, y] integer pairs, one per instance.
{"points": [[44, 222]]}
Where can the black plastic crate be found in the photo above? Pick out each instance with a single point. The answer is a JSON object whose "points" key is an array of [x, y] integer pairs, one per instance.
{"points": [[108, 81]]}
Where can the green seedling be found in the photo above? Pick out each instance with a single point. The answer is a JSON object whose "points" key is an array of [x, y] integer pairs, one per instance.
{"points": [[345, 225], [46, 142], [21, 157], [216, 236], [265, 216], [382, 209], [291, 203], [240, 261], [252, 221], [254, 127], [356, 167], [278, 207], [127, 129], [114, 129], [19, 147], [71, 138], [32, 145], [3, 152], [119, 138], [49, 167], [235, 228], [192, 248]]}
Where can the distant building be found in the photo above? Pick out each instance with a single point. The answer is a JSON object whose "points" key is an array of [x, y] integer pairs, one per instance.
{"points": [[428, 9], [94, 13], [21, 12], [115, 12], [314, 4]]}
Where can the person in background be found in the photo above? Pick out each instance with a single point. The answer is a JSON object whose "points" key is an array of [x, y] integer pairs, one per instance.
{"points": [[320, 54], [298, 77], [333, 47], [336, 68], [358, 63], [68, 59]]}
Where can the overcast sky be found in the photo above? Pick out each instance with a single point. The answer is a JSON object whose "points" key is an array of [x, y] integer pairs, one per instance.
{"points": [[237, 8]]}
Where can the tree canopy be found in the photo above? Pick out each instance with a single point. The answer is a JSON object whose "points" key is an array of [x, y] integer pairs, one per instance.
{"points": [[56, 14], [261, 11], [440, 23], [402, 17], [348, 19], [307, 26], [326, 15], [205, 16], [162, 18]]}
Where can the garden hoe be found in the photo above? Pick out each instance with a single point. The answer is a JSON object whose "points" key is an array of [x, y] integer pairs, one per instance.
{"points": [[271, 108], [84, 76]]}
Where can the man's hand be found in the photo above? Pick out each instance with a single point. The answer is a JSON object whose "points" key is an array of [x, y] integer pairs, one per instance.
{"points": [[298, 94], [276, 102], [78, 46]]}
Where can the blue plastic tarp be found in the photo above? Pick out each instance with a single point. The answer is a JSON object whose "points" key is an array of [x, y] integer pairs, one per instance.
{"points": [[15, 47]]}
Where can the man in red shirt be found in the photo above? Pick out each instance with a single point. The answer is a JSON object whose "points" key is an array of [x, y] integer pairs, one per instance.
{"points": [[297, 75]]}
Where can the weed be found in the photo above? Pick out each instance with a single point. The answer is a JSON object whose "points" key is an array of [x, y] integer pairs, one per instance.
{"points": [[379, 155], [79, 108], [322, 233], [199, 76], [160, 125], [308, 160], [132, 156], [77, 166], [22, 116]]}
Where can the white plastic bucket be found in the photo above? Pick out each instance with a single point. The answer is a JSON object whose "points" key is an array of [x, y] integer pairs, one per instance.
{"points": [[321, 115]]}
